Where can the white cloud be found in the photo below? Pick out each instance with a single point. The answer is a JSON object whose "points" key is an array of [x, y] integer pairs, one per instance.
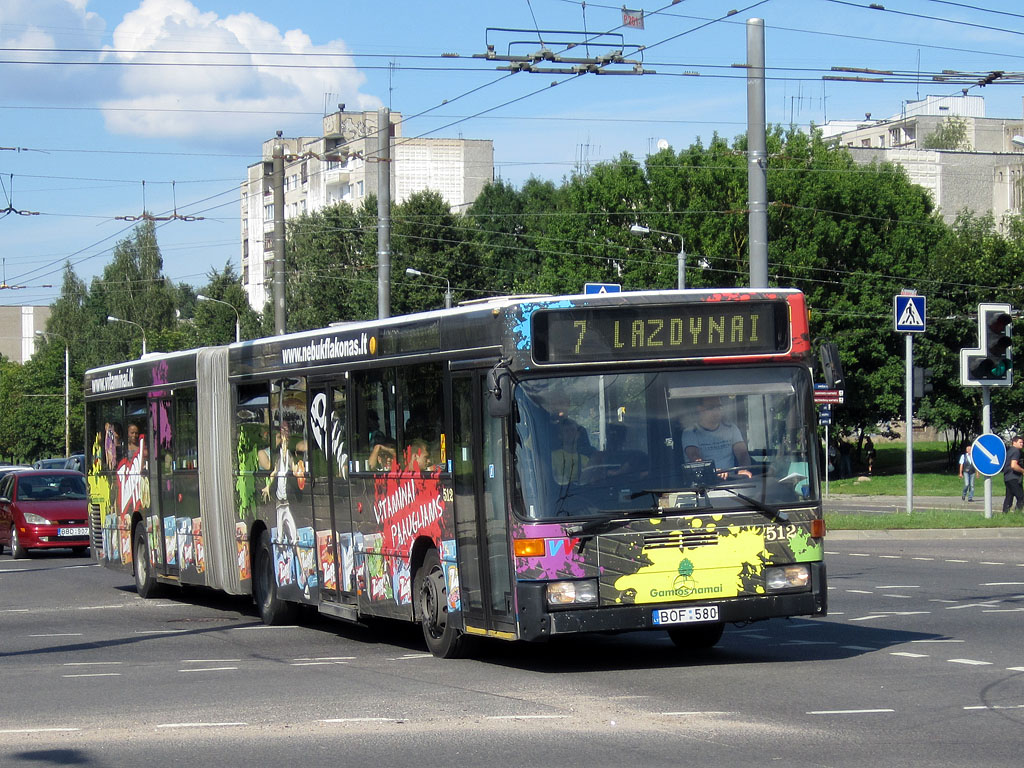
{"points": [[193, 82]]}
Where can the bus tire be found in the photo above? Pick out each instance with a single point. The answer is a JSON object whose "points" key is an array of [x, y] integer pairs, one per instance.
{"points": [[443, 639], [145, 580], [697, 637], [272, 609]]}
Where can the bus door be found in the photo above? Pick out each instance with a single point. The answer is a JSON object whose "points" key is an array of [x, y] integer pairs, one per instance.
{"points": [[481, 518], [332, 513], [163, 539]]}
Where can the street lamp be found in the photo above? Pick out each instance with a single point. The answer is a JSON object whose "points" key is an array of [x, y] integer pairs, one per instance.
{"points": [[638, 229], [448, 285], [238, 331], [112, 319], [67, 392]]}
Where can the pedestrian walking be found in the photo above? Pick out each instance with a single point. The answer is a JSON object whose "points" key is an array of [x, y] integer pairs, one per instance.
{"points": [[870, 453], [967, 471], [1013, 473]]}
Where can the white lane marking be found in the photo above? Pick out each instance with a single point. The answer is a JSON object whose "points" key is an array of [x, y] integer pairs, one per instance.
{"points": [[265, 626], [970, 662], [14, 570], [39, 730], [59, 634], [849, 711], [902, 597], [909, 655], [207, 661], [15, 610], [160, 631], [899, 586], [314, 663], [861, 591], [997, 706], [859, 554], [695, 712], [362, 720], [100, 607], [890, 557], [207, 669], [958, 561], [906, 613], [199, 725], [937, 640], [95, 674], [1003, 610], [989, 562], [1016, 669], [868, 618], [527, 717], [923, 558], [410, 656], [1002, 584], [986, 604], [323, 658], [91, 663]]}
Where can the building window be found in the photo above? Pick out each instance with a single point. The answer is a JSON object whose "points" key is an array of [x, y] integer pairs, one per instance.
{"points": [[894, 137], [268, 212], [865, 142]]}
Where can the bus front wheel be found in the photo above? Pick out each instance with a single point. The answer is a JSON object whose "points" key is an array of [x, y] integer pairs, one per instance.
{"points": [[272, 609], [443, 639], [697, 637]]}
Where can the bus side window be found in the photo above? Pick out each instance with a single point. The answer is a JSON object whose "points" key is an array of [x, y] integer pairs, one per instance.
{"points": [[422, 391], [374, 446], [252, 415]]}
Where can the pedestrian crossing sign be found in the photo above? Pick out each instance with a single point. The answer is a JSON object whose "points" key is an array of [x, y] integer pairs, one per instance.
{"points": [[908, 311]]}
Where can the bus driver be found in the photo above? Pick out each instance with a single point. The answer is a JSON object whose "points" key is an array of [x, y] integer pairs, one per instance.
{"points": [[716, 440]]}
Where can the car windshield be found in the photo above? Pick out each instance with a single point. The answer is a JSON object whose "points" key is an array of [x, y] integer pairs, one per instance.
{"points": [[615, 443], [50, 488]]}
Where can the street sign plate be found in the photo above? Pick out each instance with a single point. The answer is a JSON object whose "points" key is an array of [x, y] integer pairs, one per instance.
{"points": [[602, 288], [908, 313], [988, 454], [830, 396]]}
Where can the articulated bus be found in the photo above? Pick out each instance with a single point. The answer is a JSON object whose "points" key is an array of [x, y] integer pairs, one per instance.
{"points": [[517, 468]]}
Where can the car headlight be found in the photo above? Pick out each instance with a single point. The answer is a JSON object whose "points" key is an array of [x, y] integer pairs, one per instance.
{"points": [[785, 577], [33, 519], [568, 593]]}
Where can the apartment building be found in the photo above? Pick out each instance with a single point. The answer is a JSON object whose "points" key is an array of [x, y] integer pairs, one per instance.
{"points": [[18, 327], [320, 171]]}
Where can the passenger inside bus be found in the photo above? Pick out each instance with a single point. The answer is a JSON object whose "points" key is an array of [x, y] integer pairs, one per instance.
{"points": [[616, 461], [571, 452]]}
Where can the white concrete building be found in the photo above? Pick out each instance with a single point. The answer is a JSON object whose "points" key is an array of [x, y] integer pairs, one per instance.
{"points": [[325, 170], [985, 175]]}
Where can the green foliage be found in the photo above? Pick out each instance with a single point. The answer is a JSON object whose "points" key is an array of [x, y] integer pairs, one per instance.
{"points": [[951, 133]]}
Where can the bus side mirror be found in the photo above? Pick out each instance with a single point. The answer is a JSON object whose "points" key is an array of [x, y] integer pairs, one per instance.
{"points": [[831, 366], [499, 395]]}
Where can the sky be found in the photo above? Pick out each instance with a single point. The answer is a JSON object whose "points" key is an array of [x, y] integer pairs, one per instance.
{"points": [[112, 107]]}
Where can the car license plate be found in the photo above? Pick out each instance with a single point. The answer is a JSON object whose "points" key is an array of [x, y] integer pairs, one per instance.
{"points": [[69, 532], [685, 615]]}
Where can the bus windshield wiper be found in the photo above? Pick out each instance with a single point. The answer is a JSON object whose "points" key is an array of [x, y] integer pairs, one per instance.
{"points": [[607, 522], [769, 510]]}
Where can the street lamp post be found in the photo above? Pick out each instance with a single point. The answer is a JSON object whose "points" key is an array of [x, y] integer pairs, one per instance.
{"points": [[67, 392], [238, 330], [112, 319], [638, 229], [447, 289]]}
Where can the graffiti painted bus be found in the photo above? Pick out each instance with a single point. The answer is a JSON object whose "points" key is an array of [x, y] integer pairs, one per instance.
{"points": [[517, 468]]}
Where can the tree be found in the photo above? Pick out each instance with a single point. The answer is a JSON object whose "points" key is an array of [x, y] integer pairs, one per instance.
{"points": [[950, 133]]}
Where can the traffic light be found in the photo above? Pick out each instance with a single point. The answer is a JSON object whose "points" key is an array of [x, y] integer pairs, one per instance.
{"points": [[922, 381], [991, 363]]}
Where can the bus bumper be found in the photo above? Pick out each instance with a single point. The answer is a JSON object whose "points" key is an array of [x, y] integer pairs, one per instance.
{"points": [[536, 622]]}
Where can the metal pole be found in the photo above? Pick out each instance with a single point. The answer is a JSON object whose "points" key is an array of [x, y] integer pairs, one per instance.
{"points": [[278, 185], [681, 265], [910, 422], [986, 428], [383, 213], [757, 156], [67, 405]]}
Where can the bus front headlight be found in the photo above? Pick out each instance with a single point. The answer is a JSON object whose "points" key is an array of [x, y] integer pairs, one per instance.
{"points": [[568, 593], [786, 577]]}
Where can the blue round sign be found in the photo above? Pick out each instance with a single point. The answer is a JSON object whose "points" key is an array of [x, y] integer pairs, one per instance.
{"points": [[989, 454]]}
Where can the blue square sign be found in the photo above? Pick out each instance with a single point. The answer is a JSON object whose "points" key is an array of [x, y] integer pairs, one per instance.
{"points": [[908, 313]]}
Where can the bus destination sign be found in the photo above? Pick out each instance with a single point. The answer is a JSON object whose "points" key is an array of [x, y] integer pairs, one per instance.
{"points": [[647, 332]]}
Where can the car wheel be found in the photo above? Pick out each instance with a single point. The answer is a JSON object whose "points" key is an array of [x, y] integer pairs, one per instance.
{"points": [[16, 549], [443, 639]]}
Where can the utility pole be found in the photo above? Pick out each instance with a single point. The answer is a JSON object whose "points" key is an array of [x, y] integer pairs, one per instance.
{"points": [[383, 213], [277, 182], [757, 156]]}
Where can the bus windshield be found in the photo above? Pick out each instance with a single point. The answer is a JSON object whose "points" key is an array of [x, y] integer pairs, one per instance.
{"points": [[665, 442]]}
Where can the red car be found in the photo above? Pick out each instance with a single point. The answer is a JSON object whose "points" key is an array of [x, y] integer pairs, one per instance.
{"points": [[43, 508]]}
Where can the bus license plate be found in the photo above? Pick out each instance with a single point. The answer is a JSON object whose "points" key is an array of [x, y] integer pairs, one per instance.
{"points": [[72, 531], [685, 615]]}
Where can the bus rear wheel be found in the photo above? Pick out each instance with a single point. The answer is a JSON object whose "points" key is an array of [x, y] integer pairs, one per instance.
{"points": [[272, 609], [145, 580], [443, 639], [697, 637]]}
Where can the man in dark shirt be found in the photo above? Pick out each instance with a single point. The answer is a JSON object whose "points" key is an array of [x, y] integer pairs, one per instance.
{"points": [[1013, 473]]}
